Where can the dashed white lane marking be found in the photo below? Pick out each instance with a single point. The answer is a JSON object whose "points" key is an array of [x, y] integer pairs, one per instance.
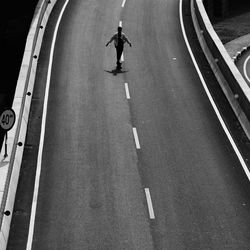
{"points": [[122, 56], [127, 91], [150, 205], [137, 143], [123, 3], [245, 69], [41, 143], [230, 138]]}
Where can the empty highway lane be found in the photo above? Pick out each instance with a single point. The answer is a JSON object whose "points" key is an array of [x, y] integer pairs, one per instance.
{"points": [[135, 159]]}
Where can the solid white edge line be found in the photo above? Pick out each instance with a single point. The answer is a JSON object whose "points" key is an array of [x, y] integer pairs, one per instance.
{"points": [[150, 204], [236, 150], [127, 91], [245, 69], [39, 157], [123, 3], [137, 143]]}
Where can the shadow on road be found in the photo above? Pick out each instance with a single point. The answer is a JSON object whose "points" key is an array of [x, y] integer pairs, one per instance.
{"points": [[116, 71]]}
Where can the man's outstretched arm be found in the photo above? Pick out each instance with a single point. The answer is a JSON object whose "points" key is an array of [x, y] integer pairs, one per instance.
{"points": [[111, 40], [127, 40]]}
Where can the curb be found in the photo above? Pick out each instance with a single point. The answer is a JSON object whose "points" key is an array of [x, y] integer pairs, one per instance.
{"points": [[10, 165], [230, 79]]}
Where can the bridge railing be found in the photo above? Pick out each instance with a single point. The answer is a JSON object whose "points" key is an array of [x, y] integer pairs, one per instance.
{"points": [[230, 79], [10, 165]]}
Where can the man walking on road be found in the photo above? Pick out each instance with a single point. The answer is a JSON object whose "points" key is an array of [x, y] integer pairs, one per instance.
{"points": [[119, 39]]}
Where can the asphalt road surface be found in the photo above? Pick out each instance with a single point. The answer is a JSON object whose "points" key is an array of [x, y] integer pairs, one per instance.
{"points": [[96, 176]]}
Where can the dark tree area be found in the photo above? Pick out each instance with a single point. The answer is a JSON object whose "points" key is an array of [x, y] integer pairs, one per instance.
{"points": [[238, 7], [220, 9], [15, 20]]}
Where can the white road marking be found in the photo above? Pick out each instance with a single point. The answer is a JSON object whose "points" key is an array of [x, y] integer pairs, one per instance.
{"points": [[41, 143], [137, 143], [122, 56], [236, 150], [245, 69], [127, 91], [150, 205], [123, 3]]}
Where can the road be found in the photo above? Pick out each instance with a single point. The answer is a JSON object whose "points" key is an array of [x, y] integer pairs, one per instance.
{"points": [[96, 174], [243, 66]]}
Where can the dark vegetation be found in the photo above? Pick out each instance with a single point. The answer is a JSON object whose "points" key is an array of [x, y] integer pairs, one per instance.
{"points": [[236, 23], [238, 7], [220, 9]]}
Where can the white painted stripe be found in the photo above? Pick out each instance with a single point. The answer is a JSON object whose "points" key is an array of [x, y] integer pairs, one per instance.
{"points": [[127, 91], [122, 56], [123, 3], [150, 205], [40, 151], [245, 69], [137, 143], [236, 150]]}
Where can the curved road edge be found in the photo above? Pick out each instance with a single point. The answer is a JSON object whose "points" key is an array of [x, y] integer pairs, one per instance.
{"points": [[230, 138], [203, 67], [236, 134], [10, 165]]}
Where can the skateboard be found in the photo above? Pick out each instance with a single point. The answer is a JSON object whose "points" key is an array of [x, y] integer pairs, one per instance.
{"points": [[118, 69]]}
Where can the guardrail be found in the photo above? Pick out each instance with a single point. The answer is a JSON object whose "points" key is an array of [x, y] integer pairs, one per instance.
{"points": [[231, 81], [10, 165]]}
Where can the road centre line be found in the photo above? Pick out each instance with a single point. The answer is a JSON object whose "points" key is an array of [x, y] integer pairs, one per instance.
{"points": [[127, 91], [230, 138], [150, 204], [122, 57], [41, 143], [123, 3], [137, 143]]}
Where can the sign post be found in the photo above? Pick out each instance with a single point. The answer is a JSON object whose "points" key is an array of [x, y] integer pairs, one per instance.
{"points": [[7, 121]]}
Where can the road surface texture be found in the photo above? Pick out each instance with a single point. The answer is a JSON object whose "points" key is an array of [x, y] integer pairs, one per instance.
{"points": [[96, 176]]}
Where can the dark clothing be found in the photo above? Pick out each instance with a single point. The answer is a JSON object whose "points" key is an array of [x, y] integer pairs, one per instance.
{"points": [[119, 49], [119, 40], [115, 38]]}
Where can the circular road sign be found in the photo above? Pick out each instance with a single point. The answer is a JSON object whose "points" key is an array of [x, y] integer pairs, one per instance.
{"points": [[7, 119]]}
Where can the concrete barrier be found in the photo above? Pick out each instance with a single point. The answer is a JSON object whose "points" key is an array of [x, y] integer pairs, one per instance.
{"points": [[231, 81], [10, 165]]}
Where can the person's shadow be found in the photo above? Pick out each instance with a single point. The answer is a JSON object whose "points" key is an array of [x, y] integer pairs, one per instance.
{"points": [[116, 71]]}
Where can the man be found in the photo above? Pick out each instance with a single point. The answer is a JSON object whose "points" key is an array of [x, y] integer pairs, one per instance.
{"points": [[119, 39]]}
